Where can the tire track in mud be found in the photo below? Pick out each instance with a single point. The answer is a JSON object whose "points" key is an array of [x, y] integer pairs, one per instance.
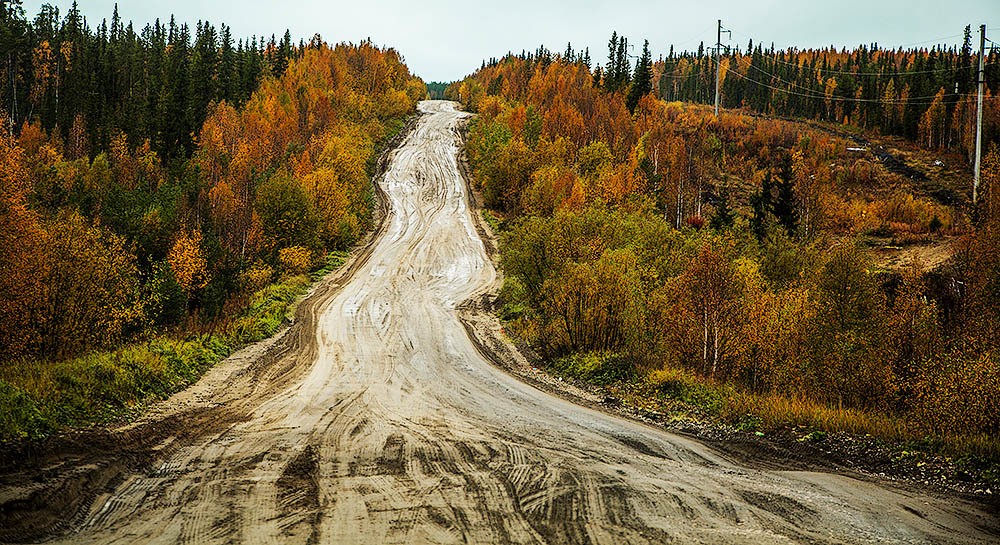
{"points": [[384, 423]]}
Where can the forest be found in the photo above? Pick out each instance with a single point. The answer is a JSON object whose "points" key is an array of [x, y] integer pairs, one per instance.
{"points": [[647, 242], [166, 193], [281, 288], [924, 94], [163, 196]]}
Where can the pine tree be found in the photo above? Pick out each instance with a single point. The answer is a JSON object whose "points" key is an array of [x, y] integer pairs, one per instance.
{"points": [[623, 76], [226, 88], [610, 69], [203, 66], [284, 54]]}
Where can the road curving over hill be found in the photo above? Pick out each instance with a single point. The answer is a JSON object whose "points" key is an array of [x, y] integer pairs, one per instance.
{"points": [[386, 424]]}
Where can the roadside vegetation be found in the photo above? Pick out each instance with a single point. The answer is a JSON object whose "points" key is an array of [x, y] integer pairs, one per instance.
{"points": [[132, 262], [43, 396], [726, 263]]}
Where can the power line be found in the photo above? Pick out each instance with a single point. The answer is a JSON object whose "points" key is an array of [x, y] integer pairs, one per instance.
{"points": [[696, 36], [775, 59], [840, 98], [933, 40], [792, 84], [884, 73], [794, 50], [718, 67]]}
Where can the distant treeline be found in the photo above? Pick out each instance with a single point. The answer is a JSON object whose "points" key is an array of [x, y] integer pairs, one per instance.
{"points": [[435, 89], [927, 95], [89, 82]]}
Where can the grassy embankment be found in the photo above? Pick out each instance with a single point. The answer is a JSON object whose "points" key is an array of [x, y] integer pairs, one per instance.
{"points": [[677, 396], [41, 397]]}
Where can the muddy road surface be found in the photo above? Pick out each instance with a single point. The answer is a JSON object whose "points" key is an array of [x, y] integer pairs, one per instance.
{"points": [[386, 425]]}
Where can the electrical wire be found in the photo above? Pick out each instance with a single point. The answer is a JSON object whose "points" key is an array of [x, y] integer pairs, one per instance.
{"points": [[916, 101], [694, 37], [773, 58], [843, 99], [934, 40], [792, 84], [877, 74], [880, 74]]}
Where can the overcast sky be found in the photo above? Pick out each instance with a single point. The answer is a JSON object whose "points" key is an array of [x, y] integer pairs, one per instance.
{"points": [[443, 40]]}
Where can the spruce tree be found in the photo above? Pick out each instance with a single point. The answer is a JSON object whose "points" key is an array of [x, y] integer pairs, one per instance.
{"points": [[610, 69], [761, 205], [785, 210], [642, 83], [724, 216], [623, 76], [285, 53], [226, 88]]}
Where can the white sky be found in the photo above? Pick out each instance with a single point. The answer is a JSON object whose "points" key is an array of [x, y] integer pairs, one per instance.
{"points": [[446, 39]]}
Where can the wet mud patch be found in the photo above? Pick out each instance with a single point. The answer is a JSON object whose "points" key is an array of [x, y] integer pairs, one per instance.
{"points": [[392, 461], [641, 447], [298, 496], [789, 510]]}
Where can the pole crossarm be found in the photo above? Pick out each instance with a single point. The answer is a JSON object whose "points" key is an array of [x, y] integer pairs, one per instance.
{"points": [[718, 64]]}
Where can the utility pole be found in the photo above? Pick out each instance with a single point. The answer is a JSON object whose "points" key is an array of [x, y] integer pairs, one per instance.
{"points": [[980, 79], [718, 64], [718, 69]]}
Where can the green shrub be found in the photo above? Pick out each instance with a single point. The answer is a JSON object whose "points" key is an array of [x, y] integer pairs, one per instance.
{"points": [[682, 385], [21, 417], [595, 367]]}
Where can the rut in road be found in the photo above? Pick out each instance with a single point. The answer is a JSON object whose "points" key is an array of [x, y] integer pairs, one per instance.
{"points": [[399, 431]]}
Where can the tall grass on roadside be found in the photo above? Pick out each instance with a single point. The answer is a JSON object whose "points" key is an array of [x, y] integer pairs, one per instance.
{"points": [[41, 397], [770, 411], [680, 394]]}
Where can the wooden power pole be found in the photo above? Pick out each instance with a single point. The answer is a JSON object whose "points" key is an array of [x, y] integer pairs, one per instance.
{"points": [[980, 79], [718, 63], [718, 66]]}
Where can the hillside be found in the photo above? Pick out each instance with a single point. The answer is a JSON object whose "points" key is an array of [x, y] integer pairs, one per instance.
{"points": [[667, 251]]}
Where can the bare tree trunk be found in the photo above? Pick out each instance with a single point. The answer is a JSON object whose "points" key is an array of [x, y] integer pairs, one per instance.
{"points": [[704, 343], [698, 213], [680, 204], [715, 345]]}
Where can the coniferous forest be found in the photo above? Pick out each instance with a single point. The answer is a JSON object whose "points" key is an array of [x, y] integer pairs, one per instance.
{"points": [[925, 94]]}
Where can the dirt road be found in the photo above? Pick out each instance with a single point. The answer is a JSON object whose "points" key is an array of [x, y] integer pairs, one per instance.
{"points": [[387, 426]]}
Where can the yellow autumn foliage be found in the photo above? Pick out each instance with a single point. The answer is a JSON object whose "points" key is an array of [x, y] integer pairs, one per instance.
{"points": [[295, 260], [188, 263]]}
